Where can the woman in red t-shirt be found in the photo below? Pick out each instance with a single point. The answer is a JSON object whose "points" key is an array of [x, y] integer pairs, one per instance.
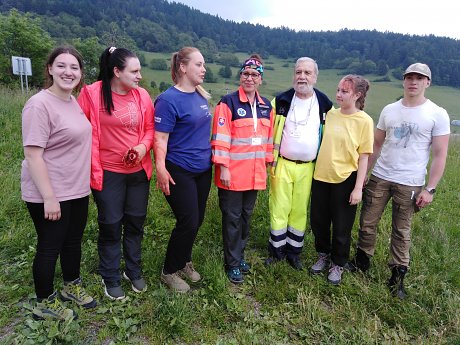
{"points": [[121, 114]]}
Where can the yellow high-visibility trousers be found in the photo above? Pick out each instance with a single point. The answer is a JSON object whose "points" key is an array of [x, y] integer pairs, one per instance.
{"points": [[289, 195]]}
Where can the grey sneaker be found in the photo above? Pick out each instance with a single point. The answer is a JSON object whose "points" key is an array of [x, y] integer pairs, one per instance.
{"points": [[174, 282], [335, 274], [190, 273], [113, 290], [323, 263], [138, 285], [52, 308], [74, 291]]}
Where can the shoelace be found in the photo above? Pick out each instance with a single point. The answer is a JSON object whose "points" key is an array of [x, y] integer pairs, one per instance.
{"points": [[336, 269], [322, 260], [78, 291], [189, 266], [56, 306]]}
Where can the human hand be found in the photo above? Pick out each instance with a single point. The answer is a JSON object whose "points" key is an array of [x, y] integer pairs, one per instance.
{"points": [[356, 196], [424, 199], [163, 180], [225, 176], [52, 209]]}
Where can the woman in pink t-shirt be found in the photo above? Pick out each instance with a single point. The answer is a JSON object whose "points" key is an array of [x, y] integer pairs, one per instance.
{"points": [[121, 114], [55, 182]]}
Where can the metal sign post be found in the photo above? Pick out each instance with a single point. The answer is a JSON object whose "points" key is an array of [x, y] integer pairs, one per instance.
{"points": [[22, 67]]}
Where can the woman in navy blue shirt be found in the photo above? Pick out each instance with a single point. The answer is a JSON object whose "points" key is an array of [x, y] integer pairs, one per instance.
{"points": [[183, 161]]}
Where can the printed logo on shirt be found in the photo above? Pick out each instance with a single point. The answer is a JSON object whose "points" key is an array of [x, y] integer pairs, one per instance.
{"points": [[157, 119], [241, 112], [128, 116], [221, 121]]}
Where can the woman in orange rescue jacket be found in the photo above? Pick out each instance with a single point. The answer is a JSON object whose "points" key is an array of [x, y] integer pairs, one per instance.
{"points": [[242, 146]]}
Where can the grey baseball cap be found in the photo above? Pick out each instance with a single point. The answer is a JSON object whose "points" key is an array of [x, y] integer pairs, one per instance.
{"points": [[419, 68]]}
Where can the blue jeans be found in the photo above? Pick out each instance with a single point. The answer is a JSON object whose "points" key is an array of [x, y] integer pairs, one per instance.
{"points": [[122, 208]]}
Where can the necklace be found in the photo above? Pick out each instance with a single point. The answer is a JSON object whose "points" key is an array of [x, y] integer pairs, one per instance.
{"points": [[293, 118]]}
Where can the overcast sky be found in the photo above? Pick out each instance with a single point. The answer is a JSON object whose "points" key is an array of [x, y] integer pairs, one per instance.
{"points": [[414, 17]]}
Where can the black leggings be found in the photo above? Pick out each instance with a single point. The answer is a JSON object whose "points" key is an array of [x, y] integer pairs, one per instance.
{"points": [[61, 238], [188, 202]]}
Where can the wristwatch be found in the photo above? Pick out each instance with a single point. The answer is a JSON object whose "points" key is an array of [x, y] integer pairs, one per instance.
{"points": [[430, 190]]}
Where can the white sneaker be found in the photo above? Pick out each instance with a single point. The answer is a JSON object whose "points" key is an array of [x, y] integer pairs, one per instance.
{"points": [[323, 263], [335, 274]]}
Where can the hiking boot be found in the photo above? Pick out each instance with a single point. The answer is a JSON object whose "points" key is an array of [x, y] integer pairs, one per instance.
{"points": [[235, 275], [113, 290], [335, 274], [138, 285], [74, 291], [323, 263], [174, 282], [295, 263], [245, 267], [190, 273], [360, 262], [52, 308], [396, 281]]}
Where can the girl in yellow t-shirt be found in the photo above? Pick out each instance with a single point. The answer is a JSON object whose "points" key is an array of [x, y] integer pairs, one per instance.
{"points": [[339, 176]]}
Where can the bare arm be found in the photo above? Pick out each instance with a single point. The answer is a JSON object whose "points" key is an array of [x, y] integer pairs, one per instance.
{"points": [[39, 173], [379, 138], [160, 147], [357, 193], [439, 148]]}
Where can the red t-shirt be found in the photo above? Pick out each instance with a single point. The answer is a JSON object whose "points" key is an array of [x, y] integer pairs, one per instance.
{"points": [[119, 133]]}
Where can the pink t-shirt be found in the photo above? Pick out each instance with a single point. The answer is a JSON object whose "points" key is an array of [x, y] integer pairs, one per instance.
{"points": [[62, 129], [119, 133]]}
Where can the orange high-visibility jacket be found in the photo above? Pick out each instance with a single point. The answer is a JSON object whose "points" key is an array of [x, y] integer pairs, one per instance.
{"points": [[237, 145]]}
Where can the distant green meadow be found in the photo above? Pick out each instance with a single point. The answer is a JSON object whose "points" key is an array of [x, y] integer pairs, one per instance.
{"points": [[279, 78], [275, 305]]}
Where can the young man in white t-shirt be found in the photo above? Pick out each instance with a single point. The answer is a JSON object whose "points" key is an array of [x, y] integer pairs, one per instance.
{"points": [[406, 132]]}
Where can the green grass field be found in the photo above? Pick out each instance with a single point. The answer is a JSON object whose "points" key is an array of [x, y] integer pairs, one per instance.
{"points": [[275, 305]]}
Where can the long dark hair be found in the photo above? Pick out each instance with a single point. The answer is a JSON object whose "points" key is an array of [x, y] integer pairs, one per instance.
{"points": [[111, 57], [53, 55]]}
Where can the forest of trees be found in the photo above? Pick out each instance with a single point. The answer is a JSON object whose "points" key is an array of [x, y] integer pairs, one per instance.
{"points": [[162, 26]]}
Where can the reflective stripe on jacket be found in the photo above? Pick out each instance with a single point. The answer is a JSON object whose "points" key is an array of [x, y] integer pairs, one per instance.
{"points": [[236, 145]]}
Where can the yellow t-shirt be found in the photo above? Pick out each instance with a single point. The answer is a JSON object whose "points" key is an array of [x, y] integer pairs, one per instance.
{"points": [[345, 138]]}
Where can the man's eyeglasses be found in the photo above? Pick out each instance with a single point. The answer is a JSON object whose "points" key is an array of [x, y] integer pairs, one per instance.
{"points": [[246, 75]]}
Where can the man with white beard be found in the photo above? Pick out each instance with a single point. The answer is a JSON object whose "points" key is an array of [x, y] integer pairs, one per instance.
{"points": [[300, 116]]}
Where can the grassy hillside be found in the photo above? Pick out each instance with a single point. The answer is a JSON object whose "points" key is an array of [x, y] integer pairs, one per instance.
{"points": [[280, 78], [275, 305]]}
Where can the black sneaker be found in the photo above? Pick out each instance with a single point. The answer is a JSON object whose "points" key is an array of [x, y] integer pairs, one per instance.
{"points": [[138, 285], [235, 275], [113, 290], [245, 267]]}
